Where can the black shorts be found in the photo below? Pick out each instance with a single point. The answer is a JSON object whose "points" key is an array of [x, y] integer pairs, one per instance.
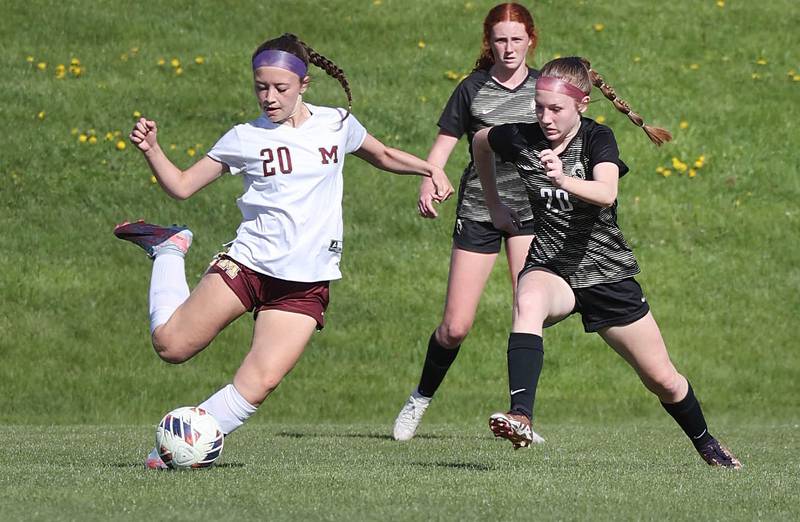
{"points": [[610, 304], [482, 237]]}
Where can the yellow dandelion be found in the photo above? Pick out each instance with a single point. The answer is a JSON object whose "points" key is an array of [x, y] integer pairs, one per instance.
{"points": [[191, 152], [423, 99], [598, 27], [41, 66], [720, 3], [556, 56], [137, 114], [109, 136], [75, 70], [637, 59], [161, 61], [74, 131], [153, 180], [692, 173], [737, 202], [761, 61], [377, 2], [121, 145], [82, 138], [172, 146], [421, 44], [92, 140], [117, 134], [123, 57], [451, 75], [199, 60], [41, 115], [678, 165], [755, 76], [74, 61], [636, 200], [600, 119], [60, 72], [469, 6], [796, 78], [134, 50], [179, 71], [698, 164], [683, 124], [175, 63], [29, 59], [694, 66], [666, 173], [659, 170], [791, 73]]}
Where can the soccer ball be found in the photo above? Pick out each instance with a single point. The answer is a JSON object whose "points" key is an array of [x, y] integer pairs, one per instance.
{"points": [[189, 437]]}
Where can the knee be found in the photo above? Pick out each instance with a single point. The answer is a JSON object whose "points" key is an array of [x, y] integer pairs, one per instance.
{"points": [[528, 307], [451, 334], [667, 384], [170, 348]]}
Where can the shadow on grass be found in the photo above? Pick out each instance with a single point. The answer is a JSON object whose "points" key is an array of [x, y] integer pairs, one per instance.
{"points": [[130, 465], [469, 466], [375, 436]]}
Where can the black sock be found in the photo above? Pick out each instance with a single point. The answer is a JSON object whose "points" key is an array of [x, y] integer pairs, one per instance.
{"points": [[437, 362], [689, 416], [525, 359]]}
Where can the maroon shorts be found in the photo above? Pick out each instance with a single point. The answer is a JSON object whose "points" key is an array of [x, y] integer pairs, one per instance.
{"points": [[259, 291]]}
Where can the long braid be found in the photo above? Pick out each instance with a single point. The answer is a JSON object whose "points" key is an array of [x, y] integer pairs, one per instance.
{"points": [[656, 134], [332, 70]]}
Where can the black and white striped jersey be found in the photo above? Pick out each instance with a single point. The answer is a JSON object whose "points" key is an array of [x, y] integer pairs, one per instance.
{"points": [[578, 240], [479, 102]]}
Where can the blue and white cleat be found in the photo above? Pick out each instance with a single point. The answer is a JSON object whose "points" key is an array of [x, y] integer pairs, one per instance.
{"points": [[155, 239], [153, 461]]}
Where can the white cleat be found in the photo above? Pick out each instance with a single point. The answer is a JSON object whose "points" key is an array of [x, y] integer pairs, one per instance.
{"points": [[407, 421], [515, 428], [153, 461]]}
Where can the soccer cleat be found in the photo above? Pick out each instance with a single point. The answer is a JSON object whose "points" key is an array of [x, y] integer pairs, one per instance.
{"points": [[514, 427], [155, 239], [715, 454], [407, 421], [153, 461]]}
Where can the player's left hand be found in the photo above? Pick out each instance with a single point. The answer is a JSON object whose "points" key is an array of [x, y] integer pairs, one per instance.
{"points": [[444, 189], [553, 166]]}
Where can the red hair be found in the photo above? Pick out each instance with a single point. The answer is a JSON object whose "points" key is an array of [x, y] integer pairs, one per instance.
{"points": [[507, 12]]}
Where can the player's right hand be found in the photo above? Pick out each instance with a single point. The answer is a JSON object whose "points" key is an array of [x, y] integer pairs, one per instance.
{"points": [[504, 218], [427, 195], [144, 134]]}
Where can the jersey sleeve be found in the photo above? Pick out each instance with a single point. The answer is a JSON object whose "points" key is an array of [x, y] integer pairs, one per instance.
{"points": [[228, 151], [504, 140], [356, 134], [456, 116], [602, 148]]}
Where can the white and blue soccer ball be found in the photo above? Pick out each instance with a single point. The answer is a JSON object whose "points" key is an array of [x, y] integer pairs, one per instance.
{"points": [[189, 437]]}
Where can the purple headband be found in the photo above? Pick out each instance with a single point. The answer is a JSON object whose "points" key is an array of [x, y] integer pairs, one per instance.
{"points": [[552, 84], [282, 59]]}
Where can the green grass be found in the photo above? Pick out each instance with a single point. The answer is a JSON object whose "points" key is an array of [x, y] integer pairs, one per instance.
{"points": [[718, 252], [354, 472]]}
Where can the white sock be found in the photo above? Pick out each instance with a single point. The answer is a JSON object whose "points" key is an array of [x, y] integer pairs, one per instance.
{"points": [[229, 408], [168, 288]]}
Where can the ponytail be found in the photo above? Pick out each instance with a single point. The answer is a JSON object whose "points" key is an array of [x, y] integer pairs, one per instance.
{"points": [[657, 135]]}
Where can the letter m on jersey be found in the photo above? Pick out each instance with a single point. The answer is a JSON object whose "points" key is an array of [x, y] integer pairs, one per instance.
{"points": [[329, 155]]}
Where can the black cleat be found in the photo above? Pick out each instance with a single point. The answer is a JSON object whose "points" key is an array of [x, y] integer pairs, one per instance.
{"points": [[715, 454]]}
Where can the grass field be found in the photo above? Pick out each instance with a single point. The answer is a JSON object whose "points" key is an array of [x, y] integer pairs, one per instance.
{"points": [[354, 472], [80, 386]]}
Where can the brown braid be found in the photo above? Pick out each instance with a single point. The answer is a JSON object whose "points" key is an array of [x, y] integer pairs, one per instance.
{"points": [[656, 134], [332, 70]]}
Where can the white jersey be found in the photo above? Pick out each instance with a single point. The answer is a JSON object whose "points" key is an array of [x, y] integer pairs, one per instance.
{"points": [[292, 201]]}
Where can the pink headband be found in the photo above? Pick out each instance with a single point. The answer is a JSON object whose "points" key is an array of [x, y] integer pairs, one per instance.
{"points": [[552, 84], [282, 59]]}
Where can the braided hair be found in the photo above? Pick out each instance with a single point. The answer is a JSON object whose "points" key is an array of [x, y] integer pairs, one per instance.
{"points": [[292, 44], [578, 72]]}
